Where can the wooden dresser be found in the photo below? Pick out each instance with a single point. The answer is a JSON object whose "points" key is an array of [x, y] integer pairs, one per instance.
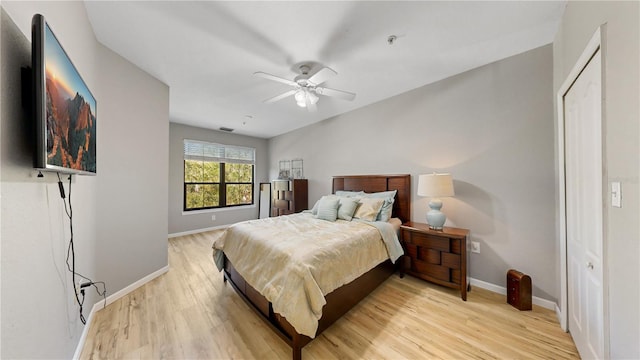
{"points": [[289, 196], [436, 256]]}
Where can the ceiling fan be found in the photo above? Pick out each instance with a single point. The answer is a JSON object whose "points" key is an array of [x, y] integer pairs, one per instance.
{"points": [[306, 87]]}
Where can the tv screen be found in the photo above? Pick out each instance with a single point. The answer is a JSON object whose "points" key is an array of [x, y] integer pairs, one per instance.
{"points": [[65, 108]]}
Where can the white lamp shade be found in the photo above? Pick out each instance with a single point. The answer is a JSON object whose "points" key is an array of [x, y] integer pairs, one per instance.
{"points": [[435, 185]]}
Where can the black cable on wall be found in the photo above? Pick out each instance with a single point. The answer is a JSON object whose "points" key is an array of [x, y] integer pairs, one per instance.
{"points": [[78, 288]]}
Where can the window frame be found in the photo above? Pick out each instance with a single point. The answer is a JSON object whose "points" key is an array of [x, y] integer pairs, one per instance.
{"points": [[222, 183]]}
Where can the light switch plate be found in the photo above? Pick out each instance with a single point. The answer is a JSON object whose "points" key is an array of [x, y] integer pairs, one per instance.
{"points": [[616, 194]]}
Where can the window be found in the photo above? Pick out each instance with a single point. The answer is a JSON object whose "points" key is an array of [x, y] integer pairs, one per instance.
{"points": [[217, 176]]}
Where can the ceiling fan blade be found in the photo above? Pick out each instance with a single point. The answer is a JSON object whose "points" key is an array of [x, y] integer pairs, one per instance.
{"points": [[321, 76], [344, 95], [275, 78], [280, 97]]}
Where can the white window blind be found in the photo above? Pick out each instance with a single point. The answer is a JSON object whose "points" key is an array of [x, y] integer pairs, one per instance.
{"points": [[206, 151]]}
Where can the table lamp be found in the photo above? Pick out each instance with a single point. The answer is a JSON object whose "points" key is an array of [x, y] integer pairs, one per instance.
{"points": [[435, 186]]}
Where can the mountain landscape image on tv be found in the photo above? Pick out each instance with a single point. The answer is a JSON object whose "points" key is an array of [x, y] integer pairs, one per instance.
{"points": [[70, 113]]}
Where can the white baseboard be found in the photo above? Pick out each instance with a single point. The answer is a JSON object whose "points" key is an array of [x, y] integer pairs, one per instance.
{"points": [[110, 299], [197, 231], [547, 304], [488, 286], [560, 317]]}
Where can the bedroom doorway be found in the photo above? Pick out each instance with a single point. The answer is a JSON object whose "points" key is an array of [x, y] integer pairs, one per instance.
{"points": [[582, 221]]}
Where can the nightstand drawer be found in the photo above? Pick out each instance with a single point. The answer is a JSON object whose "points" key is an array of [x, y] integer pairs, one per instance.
{"points": [[452, 261], [281, 204], [428, 241], [288, 195], [422, 253], [435, 271], [429, 255]]}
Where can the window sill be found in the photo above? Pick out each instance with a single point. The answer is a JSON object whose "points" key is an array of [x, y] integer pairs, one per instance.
{"points": [[205, 211]]}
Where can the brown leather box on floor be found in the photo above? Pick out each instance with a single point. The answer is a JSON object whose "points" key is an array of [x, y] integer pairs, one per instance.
{"points": [[519, 290]]}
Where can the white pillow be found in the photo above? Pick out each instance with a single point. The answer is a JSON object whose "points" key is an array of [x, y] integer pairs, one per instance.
{"points": [[350, 193], [328, 208], [314, 209], [386, 210], [347, 208], [368, 209]]}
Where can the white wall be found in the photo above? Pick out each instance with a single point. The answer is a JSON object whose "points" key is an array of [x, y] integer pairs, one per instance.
{"points": [[491, 127], [120, 215], [621, 54], [180, 222]]}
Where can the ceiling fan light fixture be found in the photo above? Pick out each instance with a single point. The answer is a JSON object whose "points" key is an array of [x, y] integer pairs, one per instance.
{"points": [[313, 98], [301, 97]]}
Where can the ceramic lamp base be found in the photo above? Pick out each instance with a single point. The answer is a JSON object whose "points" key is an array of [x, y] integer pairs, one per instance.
{"points": [[435, 217]]}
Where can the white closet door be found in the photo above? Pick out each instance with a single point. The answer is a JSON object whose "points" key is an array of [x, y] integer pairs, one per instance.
{"points": [[584, 209]]}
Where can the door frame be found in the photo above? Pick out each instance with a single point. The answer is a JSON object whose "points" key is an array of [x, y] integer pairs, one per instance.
{"points": [[594, 44]]}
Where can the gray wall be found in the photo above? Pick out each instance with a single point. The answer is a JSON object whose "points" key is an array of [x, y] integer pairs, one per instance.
{"points": [[134, 162], [193, 221], [120, 220], [621, 45], [491, 128]]}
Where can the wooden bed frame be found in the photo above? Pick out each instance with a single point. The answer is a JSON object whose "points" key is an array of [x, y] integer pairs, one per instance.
{"points": [[342, 299]]}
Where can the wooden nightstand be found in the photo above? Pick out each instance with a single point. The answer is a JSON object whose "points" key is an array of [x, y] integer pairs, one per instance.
{"points": [[436, 256], [289, 196]]}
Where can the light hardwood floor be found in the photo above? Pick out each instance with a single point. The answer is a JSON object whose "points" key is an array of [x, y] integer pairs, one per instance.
{"points": [[189, 313]]}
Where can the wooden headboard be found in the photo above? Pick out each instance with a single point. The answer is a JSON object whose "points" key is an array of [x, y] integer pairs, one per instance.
{"points": [[377, 183]]}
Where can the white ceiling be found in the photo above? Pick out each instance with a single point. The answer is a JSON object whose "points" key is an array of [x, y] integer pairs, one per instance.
{"points": [[207, 52]]}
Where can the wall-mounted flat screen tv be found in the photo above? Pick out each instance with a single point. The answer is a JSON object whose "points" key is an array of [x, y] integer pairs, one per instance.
{"points": [[65, 108]]}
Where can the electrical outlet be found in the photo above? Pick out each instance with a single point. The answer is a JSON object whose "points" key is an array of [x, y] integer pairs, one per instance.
{"points": [[213, 218], [475, 247]]}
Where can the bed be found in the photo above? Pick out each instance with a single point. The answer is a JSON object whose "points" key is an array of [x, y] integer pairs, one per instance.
{"points": [[339, 298]]}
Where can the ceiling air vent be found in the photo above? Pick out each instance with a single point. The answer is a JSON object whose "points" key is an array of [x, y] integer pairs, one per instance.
{"points": [[226, 129]]}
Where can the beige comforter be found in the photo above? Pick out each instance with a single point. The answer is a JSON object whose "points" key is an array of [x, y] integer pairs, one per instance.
{"points": [[295, 260]]}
